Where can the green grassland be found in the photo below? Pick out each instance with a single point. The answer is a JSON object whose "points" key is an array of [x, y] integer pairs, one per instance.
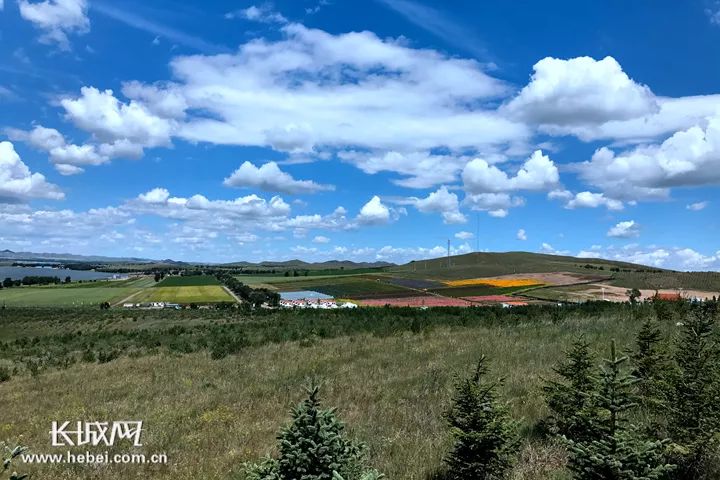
{"points": [[78, 294], [188, 281], [184, 295], [390, 373]]}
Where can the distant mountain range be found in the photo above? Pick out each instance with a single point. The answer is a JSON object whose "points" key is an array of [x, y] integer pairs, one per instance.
{"points": [[9, 255]]}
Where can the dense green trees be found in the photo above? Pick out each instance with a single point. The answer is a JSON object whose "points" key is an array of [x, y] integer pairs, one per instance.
{"points": [[615, 450], [654, 417]]}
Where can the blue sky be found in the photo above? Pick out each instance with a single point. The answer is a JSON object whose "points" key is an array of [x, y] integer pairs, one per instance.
{"points": [[373, 130]]}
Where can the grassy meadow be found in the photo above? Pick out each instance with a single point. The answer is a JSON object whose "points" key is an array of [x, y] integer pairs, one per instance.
{"points": [[184, 294], [73, 294], [390, 372]]}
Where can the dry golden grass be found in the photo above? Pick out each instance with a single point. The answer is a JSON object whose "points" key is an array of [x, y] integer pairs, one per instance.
{"points": [[211, 416]]}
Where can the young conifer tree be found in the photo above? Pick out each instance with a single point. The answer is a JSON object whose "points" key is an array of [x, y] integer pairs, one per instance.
{"points": [[693, 407], [616, 450], [313, 447], [485, 438], [568, 399], [651, 363]]}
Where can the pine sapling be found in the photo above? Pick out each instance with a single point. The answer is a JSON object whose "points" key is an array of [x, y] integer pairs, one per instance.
{"points": [[617, 450], [568, 399], [485, 438]]}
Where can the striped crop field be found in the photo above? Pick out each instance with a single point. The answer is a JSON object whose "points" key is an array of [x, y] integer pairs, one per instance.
{"points": [[495, 282]]}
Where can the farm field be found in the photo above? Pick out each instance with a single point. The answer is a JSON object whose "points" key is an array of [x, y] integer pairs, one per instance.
{"points": [[608, 292], [476, 290], [211, 416], [356, 287], [198, 294], [74, 294], [188, 281], [418, 301]]}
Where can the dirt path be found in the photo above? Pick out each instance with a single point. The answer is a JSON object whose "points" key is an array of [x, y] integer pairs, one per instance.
{"points": [[232, 294], [126, 299]]}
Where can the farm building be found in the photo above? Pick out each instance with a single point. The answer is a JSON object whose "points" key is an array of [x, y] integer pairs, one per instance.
{"points": [[670, 297]]}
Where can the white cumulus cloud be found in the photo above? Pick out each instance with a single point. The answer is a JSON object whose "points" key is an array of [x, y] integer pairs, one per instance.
{"points": [[270, 178], [626, 229], [56, 19], [18, 183]]}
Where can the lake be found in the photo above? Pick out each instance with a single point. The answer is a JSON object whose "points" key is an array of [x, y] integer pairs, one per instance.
{"points": [[17, 273]]}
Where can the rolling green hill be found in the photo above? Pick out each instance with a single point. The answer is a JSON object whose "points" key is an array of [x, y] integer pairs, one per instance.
{"points": [[492, 264]]}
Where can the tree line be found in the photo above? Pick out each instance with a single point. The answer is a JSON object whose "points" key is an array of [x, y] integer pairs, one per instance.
{"points": [[33, 280]]}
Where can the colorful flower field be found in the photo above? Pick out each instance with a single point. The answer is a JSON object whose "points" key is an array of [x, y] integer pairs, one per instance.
{"points": [[421, 301], [495, 282], [490, 298]]}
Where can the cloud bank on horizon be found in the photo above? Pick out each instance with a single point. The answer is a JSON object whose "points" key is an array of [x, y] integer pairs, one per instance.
{"points": [[281, 136]]}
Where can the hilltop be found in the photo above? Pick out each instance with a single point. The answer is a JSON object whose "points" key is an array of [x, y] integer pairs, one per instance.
{"points": [[485, 264]]}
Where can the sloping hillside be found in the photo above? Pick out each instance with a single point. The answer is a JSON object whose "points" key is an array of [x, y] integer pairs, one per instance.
{"points": [[492, 264]]}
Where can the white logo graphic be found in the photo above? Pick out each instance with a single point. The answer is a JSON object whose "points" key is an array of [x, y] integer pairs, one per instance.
{"points": [[95, 433]]}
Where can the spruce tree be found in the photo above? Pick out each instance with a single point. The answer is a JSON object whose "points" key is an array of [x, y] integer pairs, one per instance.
{"points": [[312, 447], [485, 438], [651, 365], [694, 407], [617, 450], [568, 399]]}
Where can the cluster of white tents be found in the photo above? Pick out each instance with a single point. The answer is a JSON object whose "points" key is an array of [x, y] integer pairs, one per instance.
{"points": [[315, 303]]}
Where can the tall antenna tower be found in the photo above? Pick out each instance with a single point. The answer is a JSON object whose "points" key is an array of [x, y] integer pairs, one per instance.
{"points": [[448, 253]]}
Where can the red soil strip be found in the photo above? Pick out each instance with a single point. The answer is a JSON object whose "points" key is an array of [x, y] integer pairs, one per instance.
{"points": [[422, 301]]}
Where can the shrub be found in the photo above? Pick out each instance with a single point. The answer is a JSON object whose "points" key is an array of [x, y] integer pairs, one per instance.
{"points": [[312, 447], [485, 438], [5, 374]]}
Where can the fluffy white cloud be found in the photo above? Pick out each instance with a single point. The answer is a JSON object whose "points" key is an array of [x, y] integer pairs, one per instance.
{"points": [[537, 173], [69, 159], [441, 201], [496, 204], [550, 250], [156, 195], [262, 13], [696, 207], [374, 212], [464, 235], [592, 200], [56, 19], [521, 235], [676, 258], [580, 91], [689, 158], [312, 89], [270, 178], [109, 120], [321, 239], [627, 229], [419, 169], [18, 183]]}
